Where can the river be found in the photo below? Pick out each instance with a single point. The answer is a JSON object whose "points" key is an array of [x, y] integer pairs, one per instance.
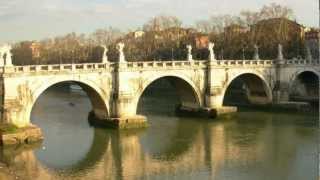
{"points": [[248, 145]]}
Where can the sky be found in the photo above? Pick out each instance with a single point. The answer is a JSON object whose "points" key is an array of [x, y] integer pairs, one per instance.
{"points": [[38, 19]]}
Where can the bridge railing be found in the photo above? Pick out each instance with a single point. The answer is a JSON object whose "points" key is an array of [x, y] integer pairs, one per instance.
{"points": [[175, 64], [55, 67], [150, 64], [245, 62], [302, 61], [166, 64]]}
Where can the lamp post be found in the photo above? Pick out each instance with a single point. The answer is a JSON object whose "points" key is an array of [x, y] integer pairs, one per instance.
{"points": [[172, 54], [243, 57]]}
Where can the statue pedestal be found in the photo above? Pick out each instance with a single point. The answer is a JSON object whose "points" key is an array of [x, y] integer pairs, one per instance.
{"points": [[8, 69]]}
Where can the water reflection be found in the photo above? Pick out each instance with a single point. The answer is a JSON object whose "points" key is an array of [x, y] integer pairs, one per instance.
{"points": [[65, 127], [243, 146]]}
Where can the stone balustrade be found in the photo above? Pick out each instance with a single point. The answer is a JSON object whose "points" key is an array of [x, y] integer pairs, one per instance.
{"points": [[149, 65], [246, 62], [55, 68], [166, 64], [302, 62]]}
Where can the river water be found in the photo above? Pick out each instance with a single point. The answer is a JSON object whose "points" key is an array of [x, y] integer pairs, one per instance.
{"points": [[247, 145]]}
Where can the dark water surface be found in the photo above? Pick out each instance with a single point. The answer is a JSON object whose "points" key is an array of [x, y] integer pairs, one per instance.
{"points": [[243, 146]]}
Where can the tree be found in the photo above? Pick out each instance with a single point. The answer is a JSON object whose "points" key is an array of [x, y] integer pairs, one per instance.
{"points": [[105, 36], [162, 22], [275, 11], [22, 53], [204, 26], [249, 18]]}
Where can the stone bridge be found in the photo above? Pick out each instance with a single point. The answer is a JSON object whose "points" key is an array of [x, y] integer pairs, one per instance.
{"points": [[115, 88]]}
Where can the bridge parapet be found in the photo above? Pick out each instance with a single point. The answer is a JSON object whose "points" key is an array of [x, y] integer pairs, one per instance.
{"points": [[56, 68], [200, 63], [302, 62], [167, 64], [245, 62], [149, 64]]}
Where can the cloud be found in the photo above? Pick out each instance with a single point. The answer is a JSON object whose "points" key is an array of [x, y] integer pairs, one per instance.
{"points": [[36, 19]]}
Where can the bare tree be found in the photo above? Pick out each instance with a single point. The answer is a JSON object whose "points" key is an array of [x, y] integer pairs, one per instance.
{"points": [[105, 36], [204, 26], [250, 18], [162, 22], [276, 11]]}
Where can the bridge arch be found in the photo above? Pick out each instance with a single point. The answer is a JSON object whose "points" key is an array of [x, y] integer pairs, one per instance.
{"points": [[256, 87], [304, 83], [98, 97], [295, 75], [188, 92]]}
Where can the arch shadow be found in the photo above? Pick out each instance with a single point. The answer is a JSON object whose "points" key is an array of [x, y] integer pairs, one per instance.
{"points": [[186, 91], [304, 86], [247, 89]]}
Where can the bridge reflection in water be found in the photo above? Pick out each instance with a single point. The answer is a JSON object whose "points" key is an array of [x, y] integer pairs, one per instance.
{"points": [[249, 146]]}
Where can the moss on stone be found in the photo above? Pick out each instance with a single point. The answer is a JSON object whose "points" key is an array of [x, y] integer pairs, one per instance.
{"points": [[8, 128]]}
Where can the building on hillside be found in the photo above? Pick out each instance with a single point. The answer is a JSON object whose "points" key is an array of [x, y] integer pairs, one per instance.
{"points": [[312, 41], [138, 34], [201, 41], [277, 24], [235, 29], [268, 33], [176, 33], [134, 35]]}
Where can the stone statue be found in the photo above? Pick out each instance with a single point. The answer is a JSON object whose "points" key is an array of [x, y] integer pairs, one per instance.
{"points": [[6, 55], [308, 55], [256, 52], [1, 58], [189, 47], [104, 56], [120, 47], [280, 52], [211, 52]]}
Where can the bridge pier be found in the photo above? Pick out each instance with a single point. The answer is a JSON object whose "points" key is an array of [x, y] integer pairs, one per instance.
{"points": [[214, 94], [123, 114], [281, 92], [214, 103], [123, 103], [280, 96], [15, 128]]}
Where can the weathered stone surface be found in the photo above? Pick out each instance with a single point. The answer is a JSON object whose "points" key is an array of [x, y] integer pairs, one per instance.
{"points": [[225, 110], [131, 122], [123, 123], [204, 112], [26, 135]]}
